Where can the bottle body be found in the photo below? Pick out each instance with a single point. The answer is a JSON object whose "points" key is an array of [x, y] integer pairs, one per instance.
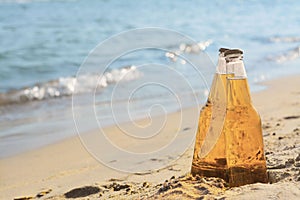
{"points": [[214, 163], [243, 134]]}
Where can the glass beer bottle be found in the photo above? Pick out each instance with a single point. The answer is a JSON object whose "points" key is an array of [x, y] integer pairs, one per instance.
{"points": [[242, 128], [212, 163]]}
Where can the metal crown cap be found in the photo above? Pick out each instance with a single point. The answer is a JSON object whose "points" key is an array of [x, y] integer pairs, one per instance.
{"points": [[233, 51], [222, 50]]}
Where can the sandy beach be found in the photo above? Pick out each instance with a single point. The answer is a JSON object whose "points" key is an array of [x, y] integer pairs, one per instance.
{"points": [[66, 170]]}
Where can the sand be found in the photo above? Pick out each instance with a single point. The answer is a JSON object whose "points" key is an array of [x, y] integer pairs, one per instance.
{"points": [[66, 170]]}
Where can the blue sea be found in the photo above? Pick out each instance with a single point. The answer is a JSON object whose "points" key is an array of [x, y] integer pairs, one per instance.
{"points": [[45, 42]]}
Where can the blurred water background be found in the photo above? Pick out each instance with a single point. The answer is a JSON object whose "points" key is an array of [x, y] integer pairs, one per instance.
{"points": [[43, 44]]}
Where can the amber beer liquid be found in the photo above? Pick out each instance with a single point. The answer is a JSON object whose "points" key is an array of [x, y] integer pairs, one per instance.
{"points": [[213, 164], [242, 129]]}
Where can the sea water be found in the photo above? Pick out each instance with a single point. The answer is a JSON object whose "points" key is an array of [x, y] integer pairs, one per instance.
{"points": [[44, 43]]}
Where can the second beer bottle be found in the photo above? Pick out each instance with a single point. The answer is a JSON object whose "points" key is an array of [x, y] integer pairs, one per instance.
{"points": [[212, 164], [242, 128]]}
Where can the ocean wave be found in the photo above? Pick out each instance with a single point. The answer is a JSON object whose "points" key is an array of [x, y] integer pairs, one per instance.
{"points": [[65, 86], [188, 49], [286, 56]]}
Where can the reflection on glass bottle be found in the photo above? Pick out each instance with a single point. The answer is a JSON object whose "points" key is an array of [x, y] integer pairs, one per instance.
{"points": [[242, 127], [213, 163]]}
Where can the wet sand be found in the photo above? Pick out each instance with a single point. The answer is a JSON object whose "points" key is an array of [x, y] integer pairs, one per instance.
{"points": [[66, 170]]}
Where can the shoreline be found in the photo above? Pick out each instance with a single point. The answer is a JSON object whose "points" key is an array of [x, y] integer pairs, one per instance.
{"points": [[65, 165], [65, 135]]}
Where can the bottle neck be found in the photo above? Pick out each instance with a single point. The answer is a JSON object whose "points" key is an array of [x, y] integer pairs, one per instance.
{"points": [[220, 70], [238, 93], [236, 67], [221, 67]]}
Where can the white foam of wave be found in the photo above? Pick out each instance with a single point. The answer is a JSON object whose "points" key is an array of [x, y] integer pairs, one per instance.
{"points": [[289, 55], [187, 48], [65, 86]]}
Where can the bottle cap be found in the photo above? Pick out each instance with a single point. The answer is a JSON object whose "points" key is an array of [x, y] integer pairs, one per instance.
{"points": [[222, 50], [233, 51]]}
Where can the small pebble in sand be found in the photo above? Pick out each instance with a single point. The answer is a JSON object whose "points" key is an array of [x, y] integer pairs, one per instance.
{"points": [[289, 162], [118, 187], [297, 164], [294, 169], [274, 133], [280, 138], [198, 177], [164, 187], [266, 134], [133, 192], [266, 126], [298, 157], [146, 184], [43, 193], [278, 124]]}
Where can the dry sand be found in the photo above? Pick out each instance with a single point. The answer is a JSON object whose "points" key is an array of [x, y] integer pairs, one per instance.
{"points": [[66, 170]]}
